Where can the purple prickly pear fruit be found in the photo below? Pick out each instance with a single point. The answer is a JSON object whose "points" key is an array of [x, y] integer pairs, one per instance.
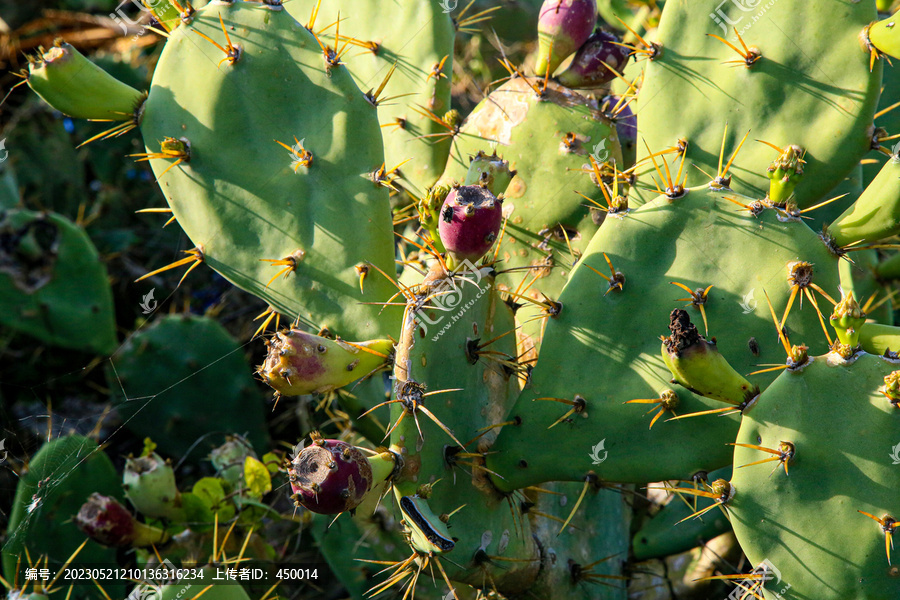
{"points": [[106, 521], [330, 476], [589, 66], [469, 222], [563, 26]]}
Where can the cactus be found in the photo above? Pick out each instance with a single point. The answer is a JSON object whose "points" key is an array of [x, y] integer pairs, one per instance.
{"points": [[52, 283], [182, 377], [60, 478], [548, 350]]}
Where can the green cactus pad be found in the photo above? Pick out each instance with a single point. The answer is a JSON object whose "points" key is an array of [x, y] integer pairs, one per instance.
{"points": [[60, 478], [182, 377], [808, 89], [53, 285], [439, 350], [547, 140], [806, 524], [605, 343], [242, 198], [417, 36]]}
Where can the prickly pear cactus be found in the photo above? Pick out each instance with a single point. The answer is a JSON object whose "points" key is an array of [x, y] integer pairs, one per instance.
{"points": [[830, 430], [60, 478], [287, 215], [182, 377], [53, 284], [820, 87], [614, 309]]}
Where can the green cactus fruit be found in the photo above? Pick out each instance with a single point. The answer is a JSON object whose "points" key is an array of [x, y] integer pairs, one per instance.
{"points": [[673, 530], [59, 480], [697, 364], [429, 209], [469, 223], [182, 377], [149, 483], [76, 87], [841, 431], [768, 88], [876, 214], [608, 330], [550, 138], [596, 63], [53, 284], [106, 521], [847, 318], [302, 363], [317, 162], [785, 173], [563, 26], [413, 41], [880, 38], [330, 476], [490, 170]]}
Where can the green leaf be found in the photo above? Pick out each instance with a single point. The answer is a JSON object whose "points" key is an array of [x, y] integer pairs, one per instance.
{"points": [[257, 476]]}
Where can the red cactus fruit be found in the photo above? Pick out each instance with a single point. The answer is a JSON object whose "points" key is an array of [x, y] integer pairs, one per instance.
{"points": [[469, 222], [587, 69], [563, 26], [330, 477], [105, 520]]}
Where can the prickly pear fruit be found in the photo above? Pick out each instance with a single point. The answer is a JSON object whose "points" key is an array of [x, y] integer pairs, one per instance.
{"points": [[75, 86], [105, 520], [847, 319], [590, 66], [785, 173], [330, 476], [697, 364], [491, 171], [470, 221], [149, 483], [302, 363], [563, 26]]}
